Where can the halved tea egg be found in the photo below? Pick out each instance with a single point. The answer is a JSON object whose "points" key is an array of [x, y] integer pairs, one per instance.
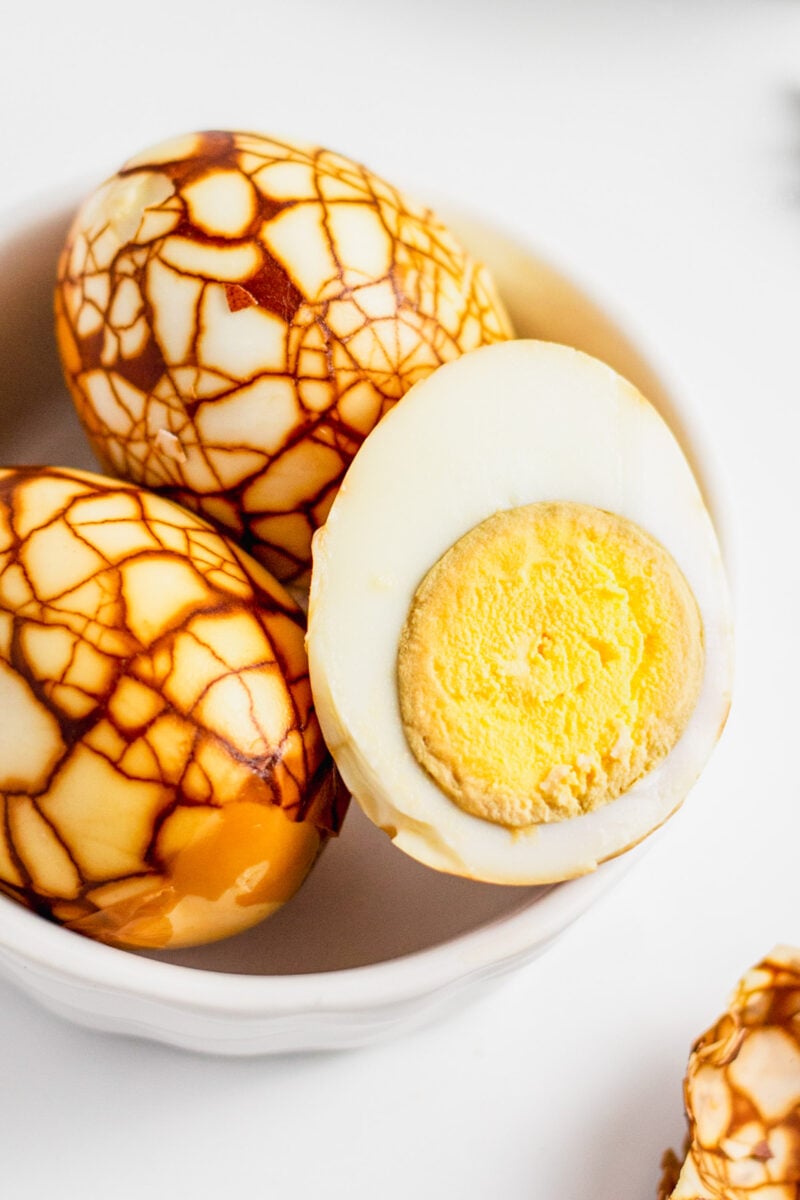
{"points": [[519, 632]]}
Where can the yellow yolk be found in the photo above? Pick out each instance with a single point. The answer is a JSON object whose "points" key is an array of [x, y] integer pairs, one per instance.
{"points": [[549, 659]]}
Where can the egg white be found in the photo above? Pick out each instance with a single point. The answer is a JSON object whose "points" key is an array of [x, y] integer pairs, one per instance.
{"points": [[503, 426]]}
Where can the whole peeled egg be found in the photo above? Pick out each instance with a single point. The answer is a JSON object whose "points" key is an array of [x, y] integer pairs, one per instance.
{"points": [[163, 780], [234, 315], [520, 639]]}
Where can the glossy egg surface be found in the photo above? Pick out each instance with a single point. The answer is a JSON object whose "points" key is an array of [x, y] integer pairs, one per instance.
{"points": [[235, 313], [742, 1094], [163, 779]]}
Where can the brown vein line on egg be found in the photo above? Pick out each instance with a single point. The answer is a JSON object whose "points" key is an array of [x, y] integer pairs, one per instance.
{"points": [[70, 727], [217, 146], [27, 894], [379, 202], [73, 729], [330, 345], [290, 153], [91, 256], [151, 856], [80, 537], [430, 325], [403, 360], [281, 662], [266, 600], [263, 285], [193, 760], [311, 767], [330, 809], [190, 404], [326, 205], [268, 207], [331, 431], [397, 245], [27, 887], [143, 369], [299, 724], [186, 228], [133, 733], [120, 326], [34, 798], [469, 311], [441, 248], [70, 665], [51, 601], [328, 341], [229, 672], [179, 799], [786, 1008], [310, 430], [297, 808], [265, 765], [198, 736], [54, 829], [116, 763], [202, 452]]}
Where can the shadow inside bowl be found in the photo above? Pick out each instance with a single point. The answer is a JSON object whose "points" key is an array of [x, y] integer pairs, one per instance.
{"points": [[364, 902], [38, 423]]}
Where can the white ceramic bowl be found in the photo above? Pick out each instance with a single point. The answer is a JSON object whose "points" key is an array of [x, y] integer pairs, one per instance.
{"points": [[374, 943]]}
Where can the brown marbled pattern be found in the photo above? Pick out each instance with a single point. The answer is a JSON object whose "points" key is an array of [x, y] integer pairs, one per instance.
{"points": [[163, 779], [742, 1094], [265, 304]]}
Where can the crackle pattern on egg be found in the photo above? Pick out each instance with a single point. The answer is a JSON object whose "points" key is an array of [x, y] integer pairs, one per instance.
{"points": [[743, 1094], [163, 779], [235, 314]]}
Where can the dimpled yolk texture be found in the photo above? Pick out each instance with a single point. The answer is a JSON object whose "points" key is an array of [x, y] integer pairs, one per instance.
{"points": [[549, 659]]}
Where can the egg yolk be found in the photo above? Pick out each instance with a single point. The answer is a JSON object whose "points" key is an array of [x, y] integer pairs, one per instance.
{"points": [[549, 659]]}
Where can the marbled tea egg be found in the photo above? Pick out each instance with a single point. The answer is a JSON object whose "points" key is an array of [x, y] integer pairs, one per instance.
{"points": [[163, 780], [742, 1094], [235, 313]]}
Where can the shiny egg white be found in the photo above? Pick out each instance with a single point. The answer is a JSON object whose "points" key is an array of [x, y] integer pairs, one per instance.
{"points": [[503, 426]]}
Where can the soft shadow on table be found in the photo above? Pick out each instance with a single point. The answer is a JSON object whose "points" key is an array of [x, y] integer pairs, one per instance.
{"points": [[37, 421], [623, 1146]]}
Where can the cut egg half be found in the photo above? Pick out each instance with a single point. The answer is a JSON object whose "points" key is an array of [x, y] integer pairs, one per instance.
{"points": [[520, 639]]}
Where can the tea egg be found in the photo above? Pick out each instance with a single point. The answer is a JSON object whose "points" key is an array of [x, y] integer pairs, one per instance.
{"points": [[163, 779], [742, 1093], [519, 638], [235, 312]]}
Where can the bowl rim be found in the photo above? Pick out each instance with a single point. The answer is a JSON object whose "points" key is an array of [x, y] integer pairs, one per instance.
{"points": [[33, 947], [30, 941]]}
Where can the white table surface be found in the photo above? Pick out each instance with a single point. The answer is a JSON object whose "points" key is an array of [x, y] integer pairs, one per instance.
{"points": [[652, 149]]}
